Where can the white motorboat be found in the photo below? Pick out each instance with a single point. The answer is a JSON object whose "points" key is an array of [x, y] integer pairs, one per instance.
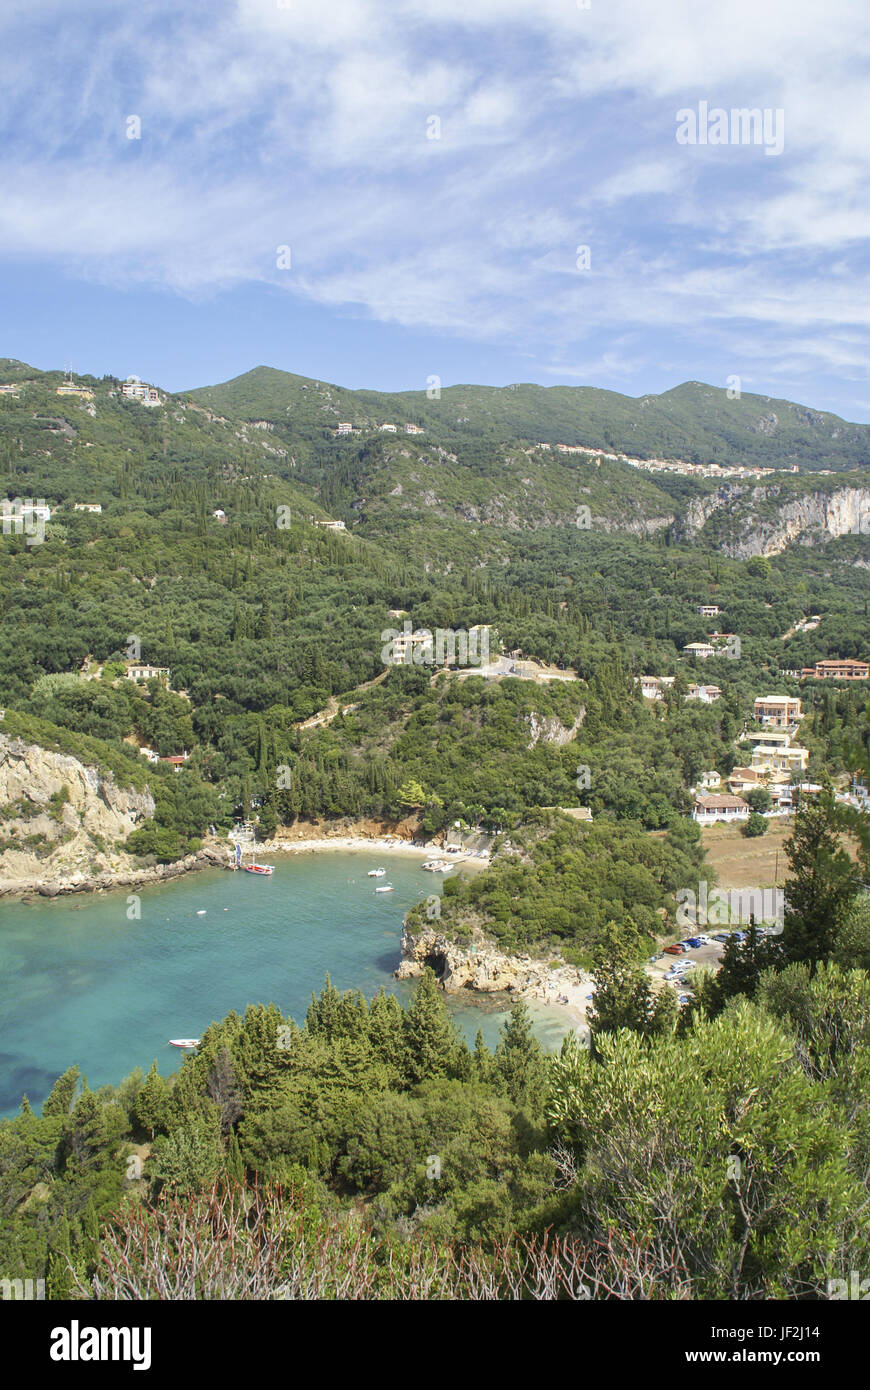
{"points": [[184, 1042], [377, 873], [387, 888]]}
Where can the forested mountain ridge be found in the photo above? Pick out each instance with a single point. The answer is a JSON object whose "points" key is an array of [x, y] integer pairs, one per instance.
{"points": [[696, 422]]}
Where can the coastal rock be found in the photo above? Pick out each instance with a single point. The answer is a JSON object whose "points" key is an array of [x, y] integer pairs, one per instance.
{"points": [[480, 966], [47, 842]]}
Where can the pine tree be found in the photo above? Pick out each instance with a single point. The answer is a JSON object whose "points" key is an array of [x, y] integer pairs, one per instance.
{"points": [[234, 1165], [149, 1107], [822, 887], [519, 1059], [430, 1036], [60, 1099]]}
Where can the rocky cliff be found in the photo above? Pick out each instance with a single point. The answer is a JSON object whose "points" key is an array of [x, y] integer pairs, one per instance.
{"points": [[60, 819], [743, 521], [481, 966]]}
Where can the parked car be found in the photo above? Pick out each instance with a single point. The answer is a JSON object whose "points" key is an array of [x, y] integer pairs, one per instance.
{"points": [[720, 936], [678, 949], [740, 936], [695, 942]]}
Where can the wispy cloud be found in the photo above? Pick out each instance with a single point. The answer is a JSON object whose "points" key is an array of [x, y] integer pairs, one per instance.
{"points": [[437, 165]]}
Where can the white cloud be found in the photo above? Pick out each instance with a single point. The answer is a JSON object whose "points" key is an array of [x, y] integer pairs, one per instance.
{"points": [[307, 124]]}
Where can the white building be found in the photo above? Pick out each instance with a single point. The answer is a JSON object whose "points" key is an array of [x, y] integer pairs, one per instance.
{"points": [[390, 429], [707, 694], [709, 809], [136, 390], [654, 687], [414, 429], [88, 507], [345, 428], [140, 671], [710, 781]]}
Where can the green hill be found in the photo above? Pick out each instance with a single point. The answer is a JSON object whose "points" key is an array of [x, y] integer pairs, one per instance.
{"points": [[695, 422]]}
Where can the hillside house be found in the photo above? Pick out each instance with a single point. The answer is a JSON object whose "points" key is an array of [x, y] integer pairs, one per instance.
{"points": [[135, 390], [702, 650], [707, 694], [777, 711], [88, 507], [345, 427], [141, 671], [709, 610], [710, 781], [414, 429], [654, 687], [389, 429], [837, 670], [774, 751], [711, 808]]}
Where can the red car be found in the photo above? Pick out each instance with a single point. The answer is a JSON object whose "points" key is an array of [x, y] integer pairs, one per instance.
{"points": [[676, 950]]}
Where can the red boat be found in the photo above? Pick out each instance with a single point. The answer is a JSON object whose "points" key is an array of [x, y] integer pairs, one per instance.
{"points": [[258, 869]]}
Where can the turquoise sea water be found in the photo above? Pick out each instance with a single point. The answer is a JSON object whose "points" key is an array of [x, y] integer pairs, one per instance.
{"points": [[81, 983]]}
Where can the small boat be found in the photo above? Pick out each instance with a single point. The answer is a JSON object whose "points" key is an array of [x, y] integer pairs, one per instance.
{"points": [[387, 888], [184, 1042], [258, 869], [201, 912], [377, 873]]}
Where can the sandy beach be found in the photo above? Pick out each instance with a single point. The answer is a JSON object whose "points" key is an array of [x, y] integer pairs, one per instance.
{"points": [[367, 845], [565, 985]]}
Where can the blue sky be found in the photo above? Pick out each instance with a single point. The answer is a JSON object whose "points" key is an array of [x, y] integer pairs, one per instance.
{"points": [[310, 125]]}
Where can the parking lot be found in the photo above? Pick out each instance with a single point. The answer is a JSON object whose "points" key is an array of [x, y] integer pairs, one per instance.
{"points": [[708, 956]]}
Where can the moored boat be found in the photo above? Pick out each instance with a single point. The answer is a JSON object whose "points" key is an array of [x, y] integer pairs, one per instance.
{"points": [[387, 888], [184, 1042], [377, 873]]}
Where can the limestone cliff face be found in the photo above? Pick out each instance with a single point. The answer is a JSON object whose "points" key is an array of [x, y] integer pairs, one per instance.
{"points": [[752, 526], [72, 836], [548, 729], [479, 966]]}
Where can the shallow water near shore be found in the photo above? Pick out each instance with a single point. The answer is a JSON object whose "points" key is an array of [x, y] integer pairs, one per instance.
{"points": [[82, 983]]}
